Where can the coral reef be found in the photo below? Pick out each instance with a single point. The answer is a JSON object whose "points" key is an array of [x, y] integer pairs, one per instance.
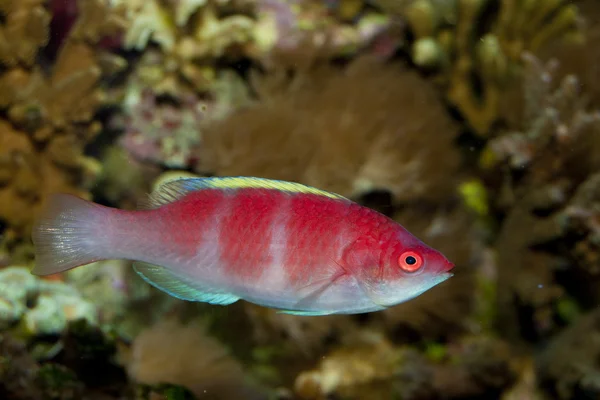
{"points": [[473, 123], [42, 307], [196, 30], [568, 368], [178, 82], [475, 46], [368, 127], [83, 367], [49, 111], [373, 368], [548, 161], [163, 134]]}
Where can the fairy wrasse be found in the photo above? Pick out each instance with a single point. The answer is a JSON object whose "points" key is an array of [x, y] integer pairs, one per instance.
{"points": [[278, 244]]}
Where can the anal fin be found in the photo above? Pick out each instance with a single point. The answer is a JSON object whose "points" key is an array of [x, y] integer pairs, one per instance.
{"points": [[180, 287]]}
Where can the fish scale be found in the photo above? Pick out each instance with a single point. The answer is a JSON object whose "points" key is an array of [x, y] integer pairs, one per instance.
{"points": [[187, 220], [314, 231], [245, 236]]}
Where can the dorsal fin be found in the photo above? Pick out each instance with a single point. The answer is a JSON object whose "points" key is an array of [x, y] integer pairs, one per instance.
{"points": [[173, 190]]}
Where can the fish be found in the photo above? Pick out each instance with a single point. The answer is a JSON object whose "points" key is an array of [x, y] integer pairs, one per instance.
{"points": [[283, 245]]}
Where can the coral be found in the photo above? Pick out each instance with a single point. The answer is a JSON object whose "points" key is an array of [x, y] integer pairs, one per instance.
{"points": [[192, 30], [288, 27], [108, 284], [190, 38], [171, 352], [581, 58], [371, 367], [344, 371], [24, 42], [568, 368], [43, 307], [166, 129], [475, 366], [537, 170], [315, 92], [581, 218], [178, 83], [58, 382], [17, 283], [162, 134], [209, 35], [17, 371], [549, 111], [80, 365], [369, 127], [476, 59], [50, 112]]}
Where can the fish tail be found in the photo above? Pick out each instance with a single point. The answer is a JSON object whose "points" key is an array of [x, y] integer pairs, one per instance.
{"points": [[65, 236]]}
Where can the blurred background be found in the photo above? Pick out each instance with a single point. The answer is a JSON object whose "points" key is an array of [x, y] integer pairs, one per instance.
{"points": [[473, 123]]}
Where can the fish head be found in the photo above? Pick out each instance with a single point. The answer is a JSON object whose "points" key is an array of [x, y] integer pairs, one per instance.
{"points": [[406, 267]]}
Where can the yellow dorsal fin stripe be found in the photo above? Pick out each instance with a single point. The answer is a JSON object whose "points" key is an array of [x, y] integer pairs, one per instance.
{"points": [[258, 183], [173, 190]]}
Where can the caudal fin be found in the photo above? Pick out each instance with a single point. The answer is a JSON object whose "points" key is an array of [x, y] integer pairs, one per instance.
{"points": [[64, 234]]}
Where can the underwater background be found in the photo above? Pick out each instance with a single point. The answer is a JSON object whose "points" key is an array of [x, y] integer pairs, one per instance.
{"points": [[473, 123]]}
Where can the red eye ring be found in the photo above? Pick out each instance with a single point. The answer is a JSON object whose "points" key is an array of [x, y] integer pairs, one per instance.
{"points": [[410, 261]]}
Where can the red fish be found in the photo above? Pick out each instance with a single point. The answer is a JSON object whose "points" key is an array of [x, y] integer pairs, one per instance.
{"points": [[279, 244]]}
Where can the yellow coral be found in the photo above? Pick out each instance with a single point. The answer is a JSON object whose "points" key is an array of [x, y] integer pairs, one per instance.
{"points": [[475, 70], [50, 116], [164, 23], [24, 31]]}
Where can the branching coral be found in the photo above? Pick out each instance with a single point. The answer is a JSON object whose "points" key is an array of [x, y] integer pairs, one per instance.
{"points": [[208, 29], [582, 58], [24, 31], [176, 83], [582, 219], [369, 127], [476, 58], [190, 36], [50, 114], [568, 368], [544, 165]]}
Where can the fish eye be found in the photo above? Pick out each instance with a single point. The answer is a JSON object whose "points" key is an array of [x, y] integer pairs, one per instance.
{"points": [[410, 261]]}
